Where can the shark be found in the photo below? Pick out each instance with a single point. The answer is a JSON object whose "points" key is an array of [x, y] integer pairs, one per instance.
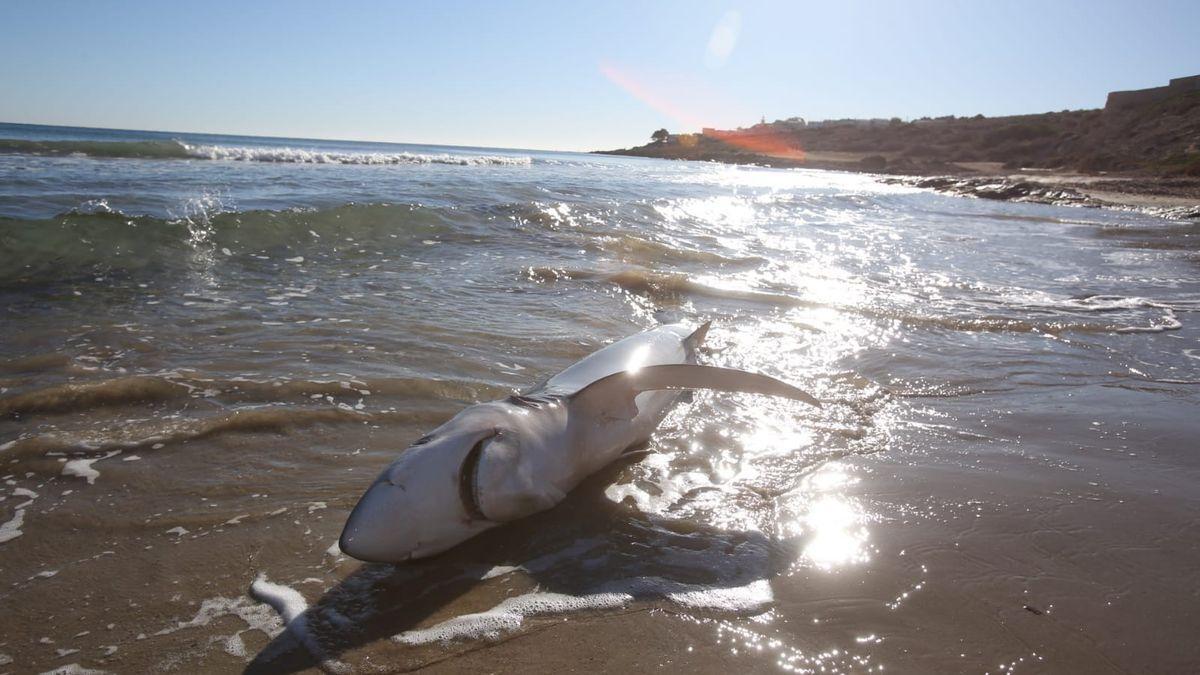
{"points": [[499, 461]]}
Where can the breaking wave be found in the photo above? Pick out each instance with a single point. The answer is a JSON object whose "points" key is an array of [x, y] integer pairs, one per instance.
{"points": [[263, 420], [303, 156], [665, 285], [125, 149], [1028, 314], [76, 397], [179, 150], [169, 432], [81, 244]]}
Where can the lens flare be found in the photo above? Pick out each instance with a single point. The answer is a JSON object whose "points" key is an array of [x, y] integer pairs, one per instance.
{"points": [[760, 139], [648, 95]]}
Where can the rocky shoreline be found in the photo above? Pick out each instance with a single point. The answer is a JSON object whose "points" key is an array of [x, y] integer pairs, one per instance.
{"points": [[1142, 151], [1170, 196], [1176, 199]]}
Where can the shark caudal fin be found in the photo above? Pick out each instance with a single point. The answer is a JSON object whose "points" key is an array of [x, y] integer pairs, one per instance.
{"points": [[613, 396]]}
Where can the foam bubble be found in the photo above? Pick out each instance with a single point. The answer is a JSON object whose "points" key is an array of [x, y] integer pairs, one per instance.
{"points": [[510, 615], [287, 601], [256, 617], [754, 596], [1100, 304], [1169, 322], [74, 669], [499, 571], [83, 467], [293, 610], [12, 529], [235, 646]]}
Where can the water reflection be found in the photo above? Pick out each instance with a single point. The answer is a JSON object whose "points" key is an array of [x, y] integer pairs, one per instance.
{"points": [[831, 523], [789, 658]]}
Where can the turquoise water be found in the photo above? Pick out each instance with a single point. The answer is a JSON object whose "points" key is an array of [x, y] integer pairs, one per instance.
{"points": [[211, 344]]}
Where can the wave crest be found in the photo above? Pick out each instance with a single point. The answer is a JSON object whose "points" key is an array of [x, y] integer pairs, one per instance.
{"points": [[118, 149], [174, 149], [306, 156], [98, 241]]}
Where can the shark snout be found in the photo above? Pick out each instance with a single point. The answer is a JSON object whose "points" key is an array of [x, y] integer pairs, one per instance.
{"points": [[414, 509], [381, 527]]}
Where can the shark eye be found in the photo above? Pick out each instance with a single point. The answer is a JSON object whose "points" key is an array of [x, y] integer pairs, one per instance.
{"points": [[422, 440], [466, 479]]}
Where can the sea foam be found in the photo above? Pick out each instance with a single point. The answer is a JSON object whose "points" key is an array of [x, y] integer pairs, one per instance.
{"points": [[175, 149], [305, 156], [510, 615], [83, 467], [12, 529], [293, 610]]}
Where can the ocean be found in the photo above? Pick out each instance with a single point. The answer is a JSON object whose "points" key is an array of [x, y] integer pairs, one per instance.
{"points": [[211, 345]]}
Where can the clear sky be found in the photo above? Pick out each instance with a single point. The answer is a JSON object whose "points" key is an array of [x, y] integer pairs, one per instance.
{"points": [[566, 74]]}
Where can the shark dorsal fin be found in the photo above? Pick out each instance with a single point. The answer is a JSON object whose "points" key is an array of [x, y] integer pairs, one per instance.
{"points": [[613, 396], [696, 339]]}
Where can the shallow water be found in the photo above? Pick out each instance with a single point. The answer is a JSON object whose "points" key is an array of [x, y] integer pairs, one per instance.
{"points": [[203, 362]]}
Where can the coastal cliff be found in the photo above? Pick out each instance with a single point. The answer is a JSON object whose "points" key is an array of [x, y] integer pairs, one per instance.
{"points": [[1150, 138]]}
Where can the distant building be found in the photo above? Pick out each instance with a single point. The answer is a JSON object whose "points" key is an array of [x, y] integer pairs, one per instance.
{"points": [[848, 121], [1120, 100]]}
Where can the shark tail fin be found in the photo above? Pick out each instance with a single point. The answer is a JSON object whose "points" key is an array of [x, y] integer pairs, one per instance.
{"points": [[613, 396]]}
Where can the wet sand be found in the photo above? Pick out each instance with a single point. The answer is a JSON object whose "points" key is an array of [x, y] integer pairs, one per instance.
{"points": [[947, 551]]}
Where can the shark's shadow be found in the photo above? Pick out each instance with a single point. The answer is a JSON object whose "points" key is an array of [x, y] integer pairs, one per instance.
{"points": [[586, 544]]}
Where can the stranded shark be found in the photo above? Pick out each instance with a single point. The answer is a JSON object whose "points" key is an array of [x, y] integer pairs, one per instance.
{"points": [[499, 461]]}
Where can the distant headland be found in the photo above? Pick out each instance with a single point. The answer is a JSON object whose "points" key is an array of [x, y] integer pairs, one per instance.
{"points": [[1145, 141]]}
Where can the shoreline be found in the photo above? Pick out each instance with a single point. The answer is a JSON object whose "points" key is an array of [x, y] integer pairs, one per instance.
{"points": [[1170, 196], [1122, 193]]}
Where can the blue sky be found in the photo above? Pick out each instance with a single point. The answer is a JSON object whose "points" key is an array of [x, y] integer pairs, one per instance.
{"points": [[568, 75]]}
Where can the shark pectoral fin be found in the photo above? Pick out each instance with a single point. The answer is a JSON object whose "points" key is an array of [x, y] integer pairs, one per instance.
{"points": [[612, 396], [690, 376], [609, 398]]}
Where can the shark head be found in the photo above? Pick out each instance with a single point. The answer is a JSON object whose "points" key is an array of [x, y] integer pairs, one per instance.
{"points": [[425, 501]]}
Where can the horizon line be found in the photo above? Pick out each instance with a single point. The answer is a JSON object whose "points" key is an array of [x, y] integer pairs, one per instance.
{"points": [[288, 138]]}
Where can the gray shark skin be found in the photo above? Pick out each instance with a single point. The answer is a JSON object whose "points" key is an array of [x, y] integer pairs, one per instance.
{"points": [[499, 461]]}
